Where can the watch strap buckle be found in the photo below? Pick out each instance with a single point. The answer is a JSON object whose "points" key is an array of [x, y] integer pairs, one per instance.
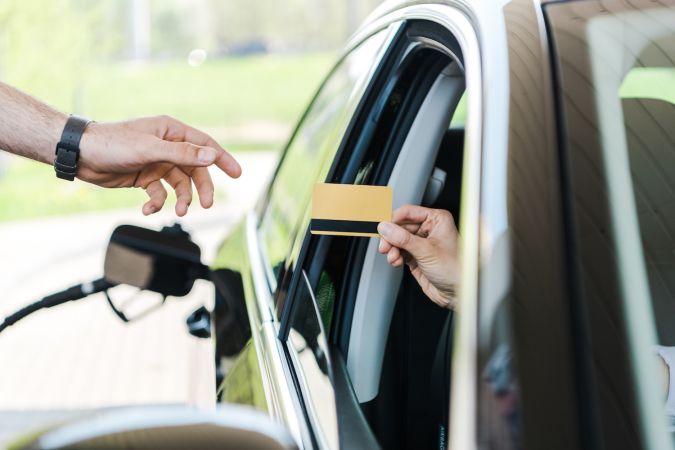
{"points": [[65, 164], [68, 148]]}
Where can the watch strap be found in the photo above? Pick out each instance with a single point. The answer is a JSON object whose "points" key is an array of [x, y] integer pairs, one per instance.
{"points": [[68, 148]]}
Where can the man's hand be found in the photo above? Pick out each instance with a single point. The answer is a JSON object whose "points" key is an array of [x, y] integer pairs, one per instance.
{"points": [[137, 153], [426, 240], [142, 152]]}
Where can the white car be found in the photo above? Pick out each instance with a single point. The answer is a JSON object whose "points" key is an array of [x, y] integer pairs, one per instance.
{"points": [[548, 130]]}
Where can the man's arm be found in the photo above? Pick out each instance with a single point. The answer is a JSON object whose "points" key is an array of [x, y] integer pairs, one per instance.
{"points": [[27, 127], [137, 153]]}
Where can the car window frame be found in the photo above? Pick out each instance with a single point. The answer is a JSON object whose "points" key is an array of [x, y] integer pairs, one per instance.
{"points": [[473, 117], [317, 418], [391, 32]]}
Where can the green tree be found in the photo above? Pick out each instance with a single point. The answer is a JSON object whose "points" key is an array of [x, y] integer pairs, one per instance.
{"points": [[45, 47]]}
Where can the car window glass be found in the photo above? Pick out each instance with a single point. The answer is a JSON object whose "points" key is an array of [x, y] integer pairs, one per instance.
{"points": [[307, 342], [313, 145]]}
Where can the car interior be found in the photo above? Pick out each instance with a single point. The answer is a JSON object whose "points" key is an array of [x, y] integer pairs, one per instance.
{"points": [[411, 397], [647, 115], [413, 392], [389, 344], [651, 139], [648, 118]]}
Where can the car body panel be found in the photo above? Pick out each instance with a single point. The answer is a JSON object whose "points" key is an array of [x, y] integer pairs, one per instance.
{"points": [[536, 226], [240, 252], [516, 248]]}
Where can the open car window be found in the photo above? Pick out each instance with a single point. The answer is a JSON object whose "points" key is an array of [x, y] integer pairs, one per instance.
{"points": [[311, 150], [404, 140]]}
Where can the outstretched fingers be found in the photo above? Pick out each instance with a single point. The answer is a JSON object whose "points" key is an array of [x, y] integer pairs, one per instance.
{"points": [[224, 160], [173, 130], [157, 195], [181, 183], [204, 185]]}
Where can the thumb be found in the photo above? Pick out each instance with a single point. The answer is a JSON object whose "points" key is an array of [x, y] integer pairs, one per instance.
{"points": [[400, 237], [185, 154]]}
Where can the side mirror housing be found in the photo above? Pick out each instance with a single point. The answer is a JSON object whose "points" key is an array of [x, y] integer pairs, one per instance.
{"points": [[164, 261], [230, 315]]}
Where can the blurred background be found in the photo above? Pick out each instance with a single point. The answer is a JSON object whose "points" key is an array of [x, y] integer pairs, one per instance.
{"points": [[244, 72]]}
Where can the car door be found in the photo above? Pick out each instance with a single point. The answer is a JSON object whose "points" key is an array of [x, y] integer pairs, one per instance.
{"points": [[339, 297], [521, 379], [564, 331], [352, 355], [264, 246], [519, 374]]}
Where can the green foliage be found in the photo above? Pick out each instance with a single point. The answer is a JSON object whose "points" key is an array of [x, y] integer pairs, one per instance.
{"points": [[220, 96], [42, 46], [175, 27], [30, 189], [217, 25], [69, 53], [226, 92]]}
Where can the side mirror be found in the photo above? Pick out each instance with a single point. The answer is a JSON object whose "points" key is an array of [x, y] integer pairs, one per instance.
{"points": [[166, 261], [229, 427]]}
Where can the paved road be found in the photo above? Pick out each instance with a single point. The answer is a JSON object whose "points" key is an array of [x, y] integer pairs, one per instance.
{"points": [[80, 356]]}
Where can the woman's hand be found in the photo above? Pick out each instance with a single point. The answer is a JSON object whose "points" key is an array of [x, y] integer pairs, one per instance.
{"points": [[426, 240]]}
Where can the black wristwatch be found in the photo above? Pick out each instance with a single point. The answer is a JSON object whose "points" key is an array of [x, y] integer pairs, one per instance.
{"points": [[68, 148]]}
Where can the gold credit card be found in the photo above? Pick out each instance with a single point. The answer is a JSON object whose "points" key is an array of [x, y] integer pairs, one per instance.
{"points": [[349, 210]]}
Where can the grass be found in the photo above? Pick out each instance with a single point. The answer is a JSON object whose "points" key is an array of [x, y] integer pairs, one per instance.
{"points": [[222, 96], [224, 92], [30, 189]]}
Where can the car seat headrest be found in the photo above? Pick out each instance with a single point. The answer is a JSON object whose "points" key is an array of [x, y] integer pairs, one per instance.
{"points": [[434, 186]]}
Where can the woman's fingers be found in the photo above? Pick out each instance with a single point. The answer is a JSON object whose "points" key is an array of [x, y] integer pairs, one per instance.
{"points": [[393, 255], [411, 227], [411, 214], [384, 246]]}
